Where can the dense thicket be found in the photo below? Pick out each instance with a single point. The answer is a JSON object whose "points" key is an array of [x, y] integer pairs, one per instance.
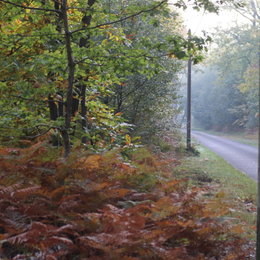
{"points": [[81, 68]]}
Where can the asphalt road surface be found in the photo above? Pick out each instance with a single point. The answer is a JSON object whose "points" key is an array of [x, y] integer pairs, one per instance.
{"points": [[241, 156]]}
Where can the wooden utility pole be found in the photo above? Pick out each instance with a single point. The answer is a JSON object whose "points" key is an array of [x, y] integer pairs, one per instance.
{"points": [[189, 102], [258, 185]]}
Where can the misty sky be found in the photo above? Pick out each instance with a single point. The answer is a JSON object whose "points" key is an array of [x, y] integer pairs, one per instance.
{"points": [[200, 21]]}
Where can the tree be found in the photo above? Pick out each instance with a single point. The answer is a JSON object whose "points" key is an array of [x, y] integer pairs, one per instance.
{"points": [[232, 97], [57, 25], [249, 10], [63, 58]]}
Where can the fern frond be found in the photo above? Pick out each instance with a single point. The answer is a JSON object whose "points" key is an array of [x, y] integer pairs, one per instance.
{"points": [[58, 193], [66, 229], [56, 240], [8, 190], [19, 239], [22, 193]]}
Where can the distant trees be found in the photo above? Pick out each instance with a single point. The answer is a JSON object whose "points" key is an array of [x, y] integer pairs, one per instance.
{"points": [[226, 95]]}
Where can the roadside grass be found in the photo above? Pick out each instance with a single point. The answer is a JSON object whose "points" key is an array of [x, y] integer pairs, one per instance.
{"points": [[241, 137], [237, 189]]}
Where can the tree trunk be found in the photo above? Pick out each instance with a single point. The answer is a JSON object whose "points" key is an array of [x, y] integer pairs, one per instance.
{"points": [[66, 142], [71, 74], [52, 108], [83, 112], [84, 42], [119, 98]]}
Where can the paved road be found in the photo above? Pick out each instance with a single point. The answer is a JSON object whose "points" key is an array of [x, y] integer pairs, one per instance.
{"points": [[241, 156]]}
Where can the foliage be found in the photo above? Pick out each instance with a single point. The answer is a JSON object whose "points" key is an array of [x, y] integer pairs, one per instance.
{"points": [[214, 102], [226, 95], [63, 60], [66, 64], [95, 207]]}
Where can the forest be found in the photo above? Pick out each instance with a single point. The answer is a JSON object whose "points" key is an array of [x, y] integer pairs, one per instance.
{"points": [[226, 85], [90, 143]]}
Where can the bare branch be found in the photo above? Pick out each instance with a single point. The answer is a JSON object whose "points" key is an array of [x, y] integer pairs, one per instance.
{"points": [[244, 14], [122, 19], [30, 8]]}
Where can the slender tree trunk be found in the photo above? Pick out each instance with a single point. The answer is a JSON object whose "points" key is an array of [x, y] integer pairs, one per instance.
{"points": [[60, 108], [83, 112], [71, 74], [119, 98], [84, 42], [188, 139], [53, 108]]}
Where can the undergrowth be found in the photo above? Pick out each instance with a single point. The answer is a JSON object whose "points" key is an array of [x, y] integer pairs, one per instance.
{"points": [[116, 205]]}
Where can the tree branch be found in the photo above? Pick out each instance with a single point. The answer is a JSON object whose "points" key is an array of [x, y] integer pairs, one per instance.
{"points": [[38, 35], [34, 100], [122, 19], [30, 8], [136, 88], [43, 133], [122, 55]]}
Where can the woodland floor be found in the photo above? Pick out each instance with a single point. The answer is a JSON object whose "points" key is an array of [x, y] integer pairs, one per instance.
{"points": [[127, 203]]}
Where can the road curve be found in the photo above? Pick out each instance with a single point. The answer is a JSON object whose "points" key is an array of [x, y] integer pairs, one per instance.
{"points": [[240, 156]]}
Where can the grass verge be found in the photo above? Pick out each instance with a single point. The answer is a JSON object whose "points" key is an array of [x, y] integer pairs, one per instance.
{"points": [[237, 189]]}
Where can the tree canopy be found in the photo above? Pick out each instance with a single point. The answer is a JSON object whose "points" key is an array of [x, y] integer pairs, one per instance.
{"points": [[66, 62]]}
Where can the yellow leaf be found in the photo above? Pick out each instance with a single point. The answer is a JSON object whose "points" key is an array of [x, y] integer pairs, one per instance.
{"points": [[119, 114], [237, 229], [104, 42], [18, 21], [128, 139], [90, 163]]}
